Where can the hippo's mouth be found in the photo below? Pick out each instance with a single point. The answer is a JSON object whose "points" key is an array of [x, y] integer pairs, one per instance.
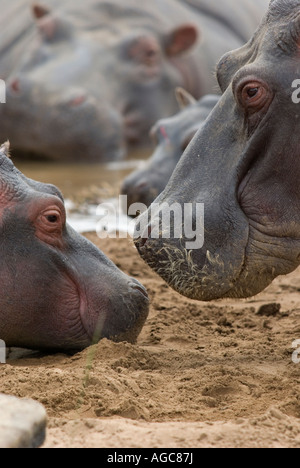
{"points": [[73, 312], [90, 324], [109, 311]]}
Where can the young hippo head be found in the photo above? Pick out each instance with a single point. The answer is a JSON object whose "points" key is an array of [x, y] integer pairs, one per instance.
{"points": [[58, 291], [244, 166]]}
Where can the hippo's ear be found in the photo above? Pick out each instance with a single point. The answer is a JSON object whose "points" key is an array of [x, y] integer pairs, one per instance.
{"points": [[182, 39], [5, 149], [184, 98], [51, 27], [39, 11]]}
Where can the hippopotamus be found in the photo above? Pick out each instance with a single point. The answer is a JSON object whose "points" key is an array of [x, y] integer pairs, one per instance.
{"points": [[87, 80], [59, 292], [172, 136], [243, 167]]}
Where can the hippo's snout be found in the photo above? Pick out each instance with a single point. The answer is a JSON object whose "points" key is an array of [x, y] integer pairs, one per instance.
{"points": [[125, 314]]}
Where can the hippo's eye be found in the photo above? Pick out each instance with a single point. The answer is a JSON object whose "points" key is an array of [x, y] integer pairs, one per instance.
{"points": [[49, 222], [145, 50], [252, 92], [52, 218], [252, 95]]}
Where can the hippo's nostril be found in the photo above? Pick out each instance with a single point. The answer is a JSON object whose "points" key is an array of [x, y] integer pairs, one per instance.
{"points": [[142, 185], [135, 285], [142, 189]]}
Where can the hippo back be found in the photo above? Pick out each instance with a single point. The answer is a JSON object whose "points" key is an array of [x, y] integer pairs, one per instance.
{"points": [[88, 80], [17, 25], [16, 31], [241, 17]]}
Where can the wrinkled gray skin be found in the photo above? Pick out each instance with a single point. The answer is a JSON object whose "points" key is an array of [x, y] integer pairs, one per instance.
{"points": [[58, 291], [244, 166], [172, 136], [85, 80]]}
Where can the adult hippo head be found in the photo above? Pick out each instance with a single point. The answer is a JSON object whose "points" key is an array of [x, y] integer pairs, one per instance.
{"points": [[58, 291], [243, 165], [87, 80], [171, 136]]}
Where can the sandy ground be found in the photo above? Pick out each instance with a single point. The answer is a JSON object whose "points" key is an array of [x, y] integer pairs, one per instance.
{"points": [[201, 375]]}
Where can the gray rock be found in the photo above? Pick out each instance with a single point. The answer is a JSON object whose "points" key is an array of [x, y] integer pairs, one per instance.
{"points": [[22, 423]]}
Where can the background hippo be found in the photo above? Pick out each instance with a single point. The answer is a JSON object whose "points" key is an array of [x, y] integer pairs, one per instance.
{"points": [[171, 135], [244, 166], [58, 291], [87, 79]]}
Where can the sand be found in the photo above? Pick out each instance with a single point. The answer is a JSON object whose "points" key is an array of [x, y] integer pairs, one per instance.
{"points": [[201, 375]]}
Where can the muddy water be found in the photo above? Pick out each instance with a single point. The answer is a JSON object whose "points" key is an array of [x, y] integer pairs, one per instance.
{"points": [[85, 186], [72, 178]]}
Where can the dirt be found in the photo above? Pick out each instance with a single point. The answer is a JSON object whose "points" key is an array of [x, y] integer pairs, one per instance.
{"points": [[201, 375]]}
